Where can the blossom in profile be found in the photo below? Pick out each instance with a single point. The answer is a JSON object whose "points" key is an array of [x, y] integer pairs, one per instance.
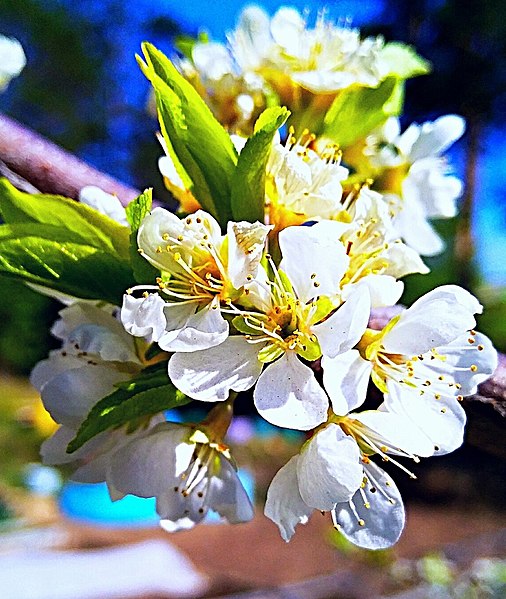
{"points": [[188, 468], [12, 60], [414, 178], [334, 472]]}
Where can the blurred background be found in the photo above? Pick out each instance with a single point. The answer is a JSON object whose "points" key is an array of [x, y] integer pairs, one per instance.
{"points": [[82, 89]]}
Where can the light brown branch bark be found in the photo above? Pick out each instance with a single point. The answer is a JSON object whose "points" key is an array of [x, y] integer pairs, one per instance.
{"points": [[48, 167]]}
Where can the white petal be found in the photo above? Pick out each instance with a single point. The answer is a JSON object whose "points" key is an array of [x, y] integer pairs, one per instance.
{"points": [[284, 505], [436, 137], [286, 27], [378, 526], [98, 341], [212, 60], [344, 329], [227, 496], [287, 394], [70, 395], [329, 469], [462, 357], [210, 374], [384, 290], [396, 432], [105, 203], [54, 449], [150, 465], [436, 319], [206, 328], [57, 363], [314, 261], [143, 316], [246, 242], [412, 225], [345, 379], [442, 421]]}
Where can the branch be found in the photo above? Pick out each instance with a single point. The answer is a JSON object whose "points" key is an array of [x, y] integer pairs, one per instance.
{"points": [[47, 167]]}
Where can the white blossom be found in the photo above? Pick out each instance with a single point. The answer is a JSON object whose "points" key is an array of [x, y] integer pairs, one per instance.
{"points": [[293, 317], [201, 270], [414, 177], [12, 60], [96, 353], [186, 469]]}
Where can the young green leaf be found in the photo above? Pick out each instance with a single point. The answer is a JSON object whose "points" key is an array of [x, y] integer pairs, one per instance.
{"points": [[148, 394], [248, 181], [200, 144], [94, 229], [355, 113], [404, 61], [136, 211], [59, 259]]}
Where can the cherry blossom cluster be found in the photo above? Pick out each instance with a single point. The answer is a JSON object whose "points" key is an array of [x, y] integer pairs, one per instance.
{"points": [[279, 311]]}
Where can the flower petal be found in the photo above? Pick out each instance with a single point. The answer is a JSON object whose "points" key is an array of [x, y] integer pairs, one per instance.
{"points": [[314, 259], [442, 421], [344, 329], [151, 464], [287, 394], [70, 395], [284, 505], [143, 316], [227, 496], [397, 433], [378, 526], [210, 374], [435, 137], [203, 329], [345, 379], [246, 242], [436, 319], [329, 469]]}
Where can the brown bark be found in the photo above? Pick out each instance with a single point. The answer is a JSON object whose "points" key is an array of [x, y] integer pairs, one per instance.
{"points": [[49, 168]]}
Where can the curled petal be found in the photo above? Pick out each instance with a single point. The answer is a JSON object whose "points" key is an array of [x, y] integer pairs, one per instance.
{"points": [[144, 317], [201, 330], [284, 505], [374, 517], [329, 469]]}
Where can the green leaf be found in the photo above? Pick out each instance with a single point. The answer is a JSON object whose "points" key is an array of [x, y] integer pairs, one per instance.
{"points": [[136, 211], [148, 394], [403, 61], [248, 182], [355, 113], [200, 144], [93, 228], [57, 258]]}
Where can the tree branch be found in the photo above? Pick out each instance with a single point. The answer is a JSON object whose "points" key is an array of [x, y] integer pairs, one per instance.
{"points": [[49, 168]]}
